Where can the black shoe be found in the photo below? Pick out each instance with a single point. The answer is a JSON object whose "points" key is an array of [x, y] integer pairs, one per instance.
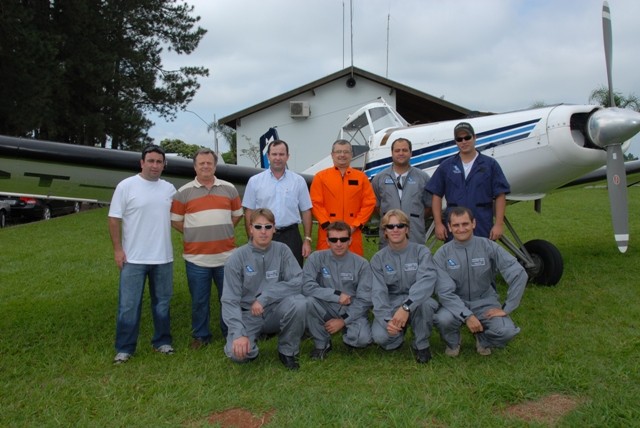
{"points": [[350, 348], [266, 336], [320, 353], [423, 356], [290, 362]]}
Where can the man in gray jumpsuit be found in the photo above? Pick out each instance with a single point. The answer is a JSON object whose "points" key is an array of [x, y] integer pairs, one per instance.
{"points": [[337, 284], [262, 294], [404, 278], [402, 186], [472, 262]]}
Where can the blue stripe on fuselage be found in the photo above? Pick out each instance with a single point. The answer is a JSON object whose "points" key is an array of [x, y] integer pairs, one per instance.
{"points": [[434, 155]]}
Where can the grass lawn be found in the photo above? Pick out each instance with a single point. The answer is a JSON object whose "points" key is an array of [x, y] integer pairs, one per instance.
{"points": [[579, 340]]}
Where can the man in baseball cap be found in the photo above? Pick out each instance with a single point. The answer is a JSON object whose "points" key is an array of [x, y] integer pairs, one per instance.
{"points": [[473, 180]]}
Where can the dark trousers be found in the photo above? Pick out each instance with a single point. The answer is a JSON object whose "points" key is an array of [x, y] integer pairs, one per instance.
{"points": [[290, 236]]}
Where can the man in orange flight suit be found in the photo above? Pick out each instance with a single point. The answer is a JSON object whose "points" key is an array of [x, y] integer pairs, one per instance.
{"points": [[342, 193]]}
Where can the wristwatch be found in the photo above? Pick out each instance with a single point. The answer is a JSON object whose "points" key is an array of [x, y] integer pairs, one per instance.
{"points": [[406, 307], [308, 238]]}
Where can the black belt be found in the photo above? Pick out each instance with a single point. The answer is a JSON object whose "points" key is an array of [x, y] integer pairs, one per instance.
{"points": [[284, 229], [479, 205]]}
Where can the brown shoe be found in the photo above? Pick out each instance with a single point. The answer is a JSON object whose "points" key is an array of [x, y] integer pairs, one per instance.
{"points": [[197, 344], [481, 349]]}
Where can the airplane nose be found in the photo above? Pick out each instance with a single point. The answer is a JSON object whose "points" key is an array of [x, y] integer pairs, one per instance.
{"points": [[613, 126]]}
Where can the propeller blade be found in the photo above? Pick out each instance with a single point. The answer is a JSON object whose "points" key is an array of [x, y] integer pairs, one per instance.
{"points": [[617, 185], [608, 51]]}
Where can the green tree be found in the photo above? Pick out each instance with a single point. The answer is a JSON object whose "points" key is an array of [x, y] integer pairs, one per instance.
{"points": [[229, 134], [601, 97], [28, 74], [96, 67], [180, 147]]}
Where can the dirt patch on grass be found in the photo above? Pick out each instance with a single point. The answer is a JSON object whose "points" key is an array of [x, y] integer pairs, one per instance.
{"points": [[546, 410], [240, 418]]}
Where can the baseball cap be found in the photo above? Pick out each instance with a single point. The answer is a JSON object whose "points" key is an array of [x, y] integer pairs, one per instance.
{"points": [[464, 126]]}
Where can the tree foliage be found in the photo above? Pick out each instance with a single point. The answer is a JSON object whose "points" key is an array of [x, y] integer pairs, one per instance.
{"points": [[229, 134], [180, 147], [601, 97], [88, 71]]}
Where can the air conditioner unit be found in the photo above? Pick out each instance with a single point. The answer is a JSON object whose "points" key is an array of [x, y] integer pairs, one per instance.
{"points": [[299, 109]]}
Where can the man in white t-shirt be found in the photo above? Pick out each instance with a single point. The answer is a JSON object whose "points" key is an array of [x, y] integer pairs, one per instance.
{"points": [[140, 229]]}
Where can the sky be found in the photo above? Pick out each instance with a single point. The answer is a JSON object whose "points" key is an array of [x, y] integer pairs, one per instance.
{"points": [[489, 55]]}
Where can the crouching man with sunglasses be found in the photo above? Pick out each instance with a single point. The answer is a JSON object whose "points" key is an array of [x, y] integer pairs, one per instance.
{"points": [[337, 284], [404, 279], [262, 294]]}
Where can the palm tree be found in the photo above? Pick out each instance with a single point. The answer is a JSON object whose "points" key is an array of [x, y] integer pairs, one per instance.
{"points": [[601, 96]]}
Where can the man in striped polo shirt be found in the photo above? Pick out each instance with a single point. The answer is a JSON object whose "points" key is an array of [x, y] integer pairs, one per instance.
{"points": [[205, 211]]}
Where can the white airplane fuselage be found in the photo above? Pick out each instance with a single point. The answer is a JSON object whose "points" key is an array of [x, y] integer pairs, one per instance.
{"points": [[539, 150]]}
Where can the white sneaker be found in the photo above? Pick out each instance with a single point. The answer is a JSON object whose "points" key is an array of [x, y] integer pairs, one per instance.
{"points": [[121, 357], [481, 349], [452, 352], [165, 349]]}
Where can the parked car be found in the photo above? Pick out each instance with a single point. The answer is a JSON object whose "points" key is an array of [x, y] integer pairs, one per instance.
{"points": [[30, 208], [5, 208]]}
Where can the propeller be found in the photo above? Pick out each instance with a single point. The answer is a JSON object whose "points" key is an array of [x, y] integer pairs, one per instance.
{"points": [[610, 128]]}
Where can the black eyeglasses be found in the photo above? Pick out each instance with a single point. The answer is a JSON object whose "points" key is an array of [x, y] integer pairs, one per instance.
{"points": [[341, 239], [395, 226], [465, 138], [260, 226]]}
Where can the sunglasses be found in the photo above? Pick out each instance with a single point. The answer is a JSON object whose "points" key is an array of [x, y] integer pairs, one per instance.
{"points": [[260, 226], [465, 138], [395, 226], [341, 239]]}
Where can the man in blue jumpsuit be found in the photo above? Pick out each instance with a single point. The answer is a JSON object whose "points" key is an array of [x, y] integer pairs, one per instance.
{"points": [[472, 263], [473, 180]]}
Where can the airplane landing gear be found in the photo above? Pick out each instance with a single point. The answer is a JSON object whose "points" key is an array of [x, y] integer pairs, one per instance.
{"points": [[547, 262], [540, 258]]}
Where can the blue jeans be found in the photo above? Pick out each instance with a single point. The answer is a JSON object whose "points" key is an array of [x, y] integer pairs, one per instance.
{"points": [[132, 279], [199, 279]]}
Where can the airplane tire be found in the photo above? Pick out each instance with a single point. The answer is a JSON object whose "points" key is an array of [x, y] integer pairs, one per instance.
{"points": [[549, 265]]}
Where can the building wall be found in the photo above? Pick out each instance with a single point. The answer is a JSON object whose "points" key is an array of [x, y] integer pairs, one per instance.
{"points": [[310, 139]]}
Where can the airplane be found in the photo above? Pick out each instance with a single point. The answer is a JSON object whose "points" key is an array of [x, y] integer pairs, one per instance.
{"points": [[539, 150]]}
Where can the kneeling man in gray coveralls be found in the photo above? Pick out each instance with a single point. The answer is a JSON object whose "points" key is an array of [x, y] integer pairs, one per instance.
{"points": [[337, 284], [404, 278], [472, 263], [262, 294]]}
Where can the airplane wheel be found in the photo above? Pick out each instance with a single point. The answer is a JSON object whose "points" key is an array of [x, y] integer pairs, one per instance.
{"points": [[548, 262]]}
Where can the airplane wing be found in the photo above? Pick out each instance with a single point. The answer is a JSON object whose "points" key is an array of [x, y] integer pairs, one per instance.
{"points": [[29, 166], [633, 175]]}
